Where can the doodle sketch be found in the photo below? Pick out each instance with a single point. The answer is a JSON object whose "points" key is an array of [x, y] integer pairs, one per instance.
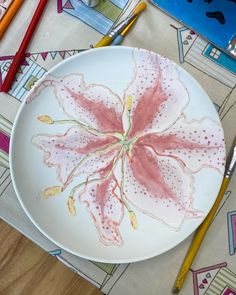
{"points": [[105, 272], [5, 128], [203, 55], [101, 18], [214, 280], [211, 17], [196, 51], [5, 179], [32, 69]]}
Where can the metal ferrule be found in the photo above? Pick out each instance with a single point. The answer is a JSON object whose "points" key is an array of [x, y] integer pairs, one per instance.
{"points": [[232, 163], [120, 27], [232, 46]]}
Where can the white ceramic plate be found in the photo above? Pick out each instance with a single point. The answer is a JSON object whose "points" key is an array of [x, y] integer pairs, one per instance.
{"points": [[117, 154]]}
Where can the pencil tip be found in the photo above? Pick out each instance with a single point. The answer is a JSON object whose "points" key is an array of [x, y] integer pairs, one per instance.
{"points": [[175, 290]]}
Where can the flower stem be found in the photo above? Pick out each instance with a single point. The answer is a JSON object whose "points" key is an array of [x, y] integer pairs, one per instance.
{"points": [[129, 124], [89, 128], [85, 158], [98, 179], [122, 186], [132, 216]]}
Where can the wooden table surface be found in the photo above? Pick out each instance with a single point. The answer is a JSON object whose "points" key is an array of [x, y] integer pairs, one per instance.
{"points": [[25, 269]]}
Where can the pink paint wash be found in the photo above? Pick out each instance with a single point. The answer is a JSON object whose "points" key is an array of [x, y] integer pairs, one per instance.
{"points": [[138, 152]]}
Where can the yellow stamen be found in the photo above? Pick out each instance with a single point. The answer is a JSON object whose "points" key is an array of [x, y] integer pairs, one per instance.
{"points": [[45, 119], [129, 102], [133, 220], [52, 191], [71, 205]]}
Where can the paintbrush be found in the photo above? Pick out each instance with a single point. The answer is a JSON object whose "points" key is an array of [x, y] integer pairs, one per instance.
{"points": [[202, 229], [119, 38], [107, 39]]}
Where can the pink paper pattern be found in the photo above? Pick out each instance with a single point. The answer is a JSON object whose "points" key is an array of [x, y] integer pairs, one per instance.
{"points": [[136, 152]]}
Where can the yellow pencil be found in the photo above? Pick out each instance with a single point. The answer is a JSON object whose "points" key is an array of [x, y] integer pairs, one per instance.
{"points": [[11, 11], [106, 40], [201, 231]]}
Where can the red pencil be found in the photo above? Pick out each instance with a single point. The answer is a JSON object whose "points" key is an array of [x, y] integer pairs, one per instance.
{"points": [[19, 57]]}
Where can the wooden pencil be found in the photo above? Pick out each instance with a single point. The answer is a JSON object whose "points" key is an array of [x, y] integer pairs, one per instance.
{"points": [[20, 55], [202, 229], [8, 16]]}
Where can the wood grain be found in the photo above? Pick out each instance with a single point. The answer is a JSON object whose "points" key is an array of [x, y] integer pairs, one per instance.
{"points": [[25, 269]]}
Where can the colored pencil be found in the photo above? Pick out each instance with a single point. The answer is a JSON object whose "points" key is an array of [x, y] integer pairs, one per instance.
{"points": [[20, 55], [8, 16], [107, 39], [202, 229]]}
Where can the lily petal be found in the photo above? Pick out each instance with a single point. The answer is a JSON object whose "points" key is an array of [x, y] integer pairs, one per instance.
{"points": [[75, 151], [196, 144], [105, 208], [93, 104], [159, 186], [159, 96]]}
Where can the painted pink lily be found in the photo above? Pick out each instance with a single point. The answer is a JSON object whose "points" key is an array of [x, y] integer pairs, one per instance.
{"points": [[137, 152]]}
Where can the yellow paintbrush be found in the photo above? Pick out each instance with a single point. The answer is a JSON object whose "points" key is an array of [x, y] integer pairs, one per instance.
{"points": [[119, 38], [202, 229], [106, 40]]}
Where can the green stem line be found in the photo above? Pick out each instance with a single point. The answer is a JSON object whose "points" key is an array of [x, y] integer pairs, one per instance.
{"points": [[122, 186], [89, 128], [129, 126], [85, 158], [98, 179]]}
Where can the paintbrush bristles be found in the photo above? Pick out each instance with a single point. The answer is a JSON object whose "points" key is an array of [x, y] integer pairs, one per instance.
{"points": [[139, 8]]}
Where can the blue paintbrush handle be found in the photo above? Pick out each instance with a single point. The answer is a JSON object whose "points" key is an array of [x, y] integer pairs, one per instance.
{"points": [[117, 40]]}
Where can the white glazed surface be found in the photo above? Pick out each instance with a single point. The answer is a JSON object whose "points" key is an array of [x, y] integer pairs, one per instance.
{"points": [[77, 234]]}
